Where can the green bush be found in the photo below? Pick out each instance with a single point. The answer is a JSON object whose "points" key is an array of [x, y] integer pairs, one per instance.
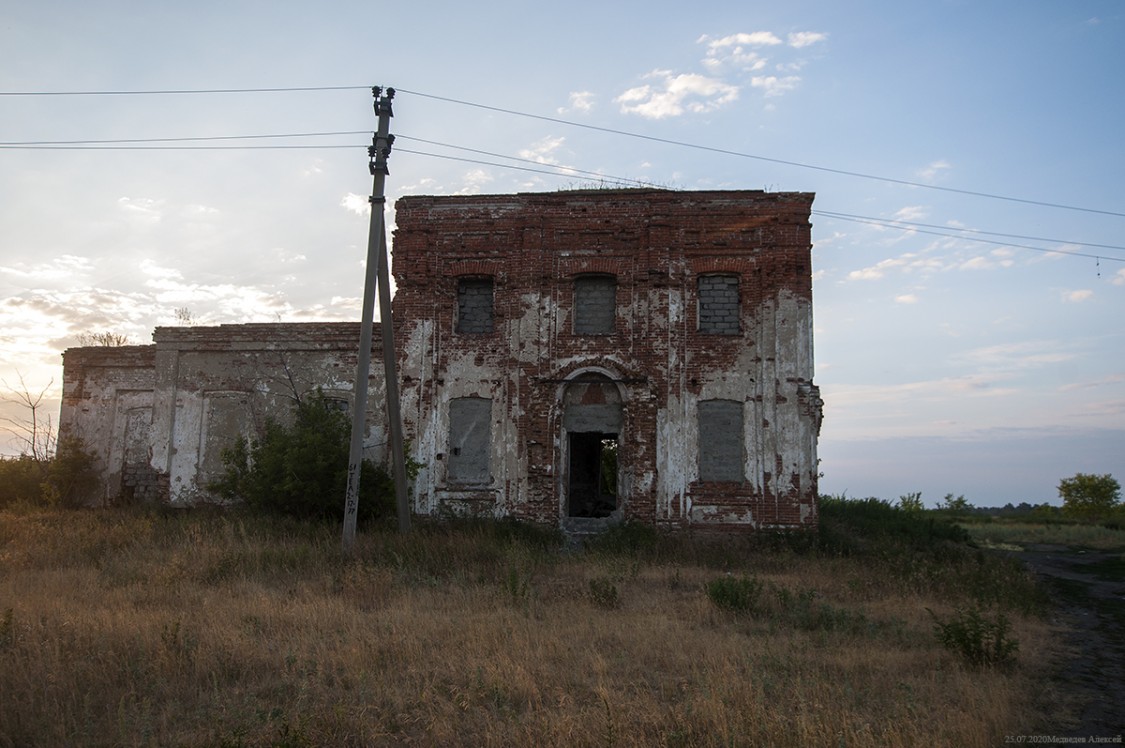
{"points": [[980, 640], [64, 479], [301, 470], [874, 526], [21, 480], [603, 593], [71, 474], [736, 594]]}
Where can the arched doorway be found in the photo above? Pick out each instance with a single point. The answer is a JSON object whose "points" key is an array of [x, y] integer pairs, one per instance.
{"points": [[592, 431]]}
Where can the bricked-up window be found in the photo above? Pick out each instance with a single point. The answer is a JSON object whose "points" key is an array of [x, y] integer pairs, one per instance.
{"points": [[474, 306], [719, 309], [469, 441], [595, 304], [721, 437]]}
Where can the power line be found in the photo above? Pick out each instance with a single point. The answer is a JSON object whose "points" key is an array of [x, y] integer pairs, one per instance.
{"points": [[554, 170], [183, 139], [827, 214], [897, 223], [541, 168], [174, 147], [179, 91], [880, 222], [740, 154], [595, 128], [566, 170]]}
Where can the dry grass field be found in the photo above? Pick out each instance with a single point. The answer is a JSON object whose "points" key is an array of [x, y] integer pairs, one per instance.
{"points": [[129, 627]]}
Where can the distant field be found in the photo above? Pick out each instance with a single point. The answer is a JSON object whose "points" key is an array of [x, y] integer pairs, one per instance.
{"points": [[1018, 534], [146, 628]]}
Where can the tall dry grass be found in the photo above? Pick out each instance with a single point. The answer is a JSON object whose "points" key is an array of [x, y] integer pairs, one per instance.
{"points": [[133, 628]]}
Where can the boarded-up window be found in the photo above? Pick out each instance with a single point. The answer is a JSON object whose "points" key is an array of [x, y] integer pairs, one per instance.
{"points": [[226, 419], [474, 306], [721, 430], [595, 304], [469, 440], [719, 308]]}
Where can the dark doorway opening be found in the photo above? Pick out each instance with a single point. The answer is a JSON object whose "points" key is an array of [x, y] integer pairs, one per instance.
{"points": [[593, 475]]}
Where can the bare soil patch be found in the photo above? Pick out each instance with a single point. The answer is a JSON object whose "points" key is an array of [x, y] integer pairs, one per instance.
{"points": [[1089, 590]]}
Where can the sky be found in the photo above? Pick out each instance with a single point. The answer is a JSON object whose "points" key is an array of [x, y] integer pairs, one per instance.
{"points": [[966, 155]]}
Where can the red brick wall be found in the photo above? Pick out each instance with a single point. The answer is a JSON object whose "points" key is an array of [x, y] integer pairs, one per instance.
{"points": [[656, 243]]}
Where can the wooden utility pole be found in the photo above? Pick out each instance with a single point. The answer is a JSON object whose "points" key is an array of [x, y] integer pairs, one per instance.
{"points": [[378, 273]]}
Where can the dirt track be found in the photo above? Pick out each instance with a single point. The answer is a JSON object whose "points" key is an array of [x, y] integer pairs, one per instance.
{"points": [[1089, 589]]}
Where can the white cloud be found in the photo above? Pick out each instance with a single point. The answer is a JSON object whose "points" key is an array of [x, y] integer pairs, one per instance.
{"points": [[1119, 278], [1003, 256], [1107, 380], [753, 39], [60, 268], [158, 273], [997, 258], [876, 271], [800, 39], [906, 298], [970, 385], [910, 213], [1012, 356], [774, 86], [358, 204], [1077, 297], [673, 94], [314, 168], [541, 150], [474, 182], [143, 210], [580, 101], [976, 263], [934, 169]]}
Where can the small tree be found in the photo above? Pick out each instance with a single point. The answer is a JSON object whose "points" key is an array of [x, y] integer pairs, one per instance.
{"points": [[107, 338], [301, 470], [1089, 496], [953, 503], [33, 431], [911, 502]]}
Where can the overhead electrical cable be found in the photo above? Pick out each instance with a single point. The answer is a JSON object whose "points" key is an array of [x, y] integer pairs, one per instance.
{"points": [[179, 91], [898, 223], [562, 170], [308, 147], [827, 214], [183, 139], [880, 222], [740, 154], [596, 128]]}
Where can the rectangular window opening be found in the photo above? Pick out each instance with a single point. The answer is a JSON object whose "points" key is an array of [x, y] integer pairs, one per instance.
{"points": [[595, 304], [719, 308], [474, 306], [470, 442], [721, 441]]}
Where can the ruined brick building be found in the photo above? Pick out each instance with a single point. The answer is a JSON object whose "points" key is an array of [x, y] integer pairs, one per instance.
{"points": [[571, 358]]}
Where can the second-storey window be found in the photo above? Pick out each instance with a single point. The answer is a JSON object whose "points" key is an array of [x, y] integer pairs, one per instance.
{"points": [[595, 304], [719, 308], [474, 306]]}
